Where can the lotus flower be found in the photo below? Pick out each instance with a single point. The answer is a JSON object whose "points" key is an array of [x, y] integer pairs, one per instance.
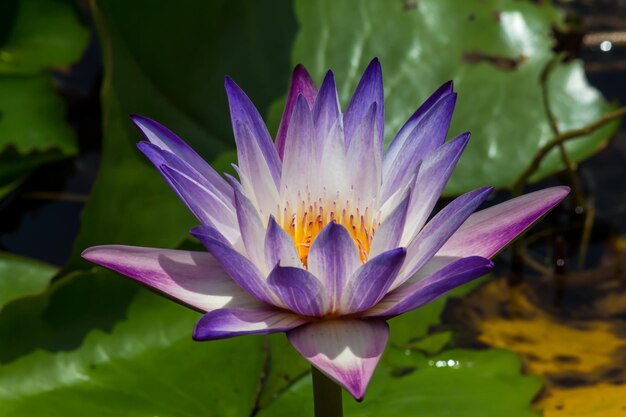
{"points": [[325, 236]]}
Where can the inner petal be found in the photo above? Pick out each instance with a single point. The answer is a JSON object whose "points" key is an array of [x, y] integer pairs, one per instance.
{"points": [[305, 220]]}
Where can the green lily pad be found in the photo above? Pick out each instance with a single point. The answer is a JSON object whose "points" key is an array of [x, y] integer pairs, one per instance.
{"points": [[493, 50], [32, 118], [22, 276], [40, 34], [35, 35], [147, 366], [455, 383]]}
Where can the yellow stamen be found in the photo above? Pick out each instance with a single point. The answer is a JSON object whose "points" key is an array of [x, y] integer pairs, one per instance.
{"points": [[305, 221]]}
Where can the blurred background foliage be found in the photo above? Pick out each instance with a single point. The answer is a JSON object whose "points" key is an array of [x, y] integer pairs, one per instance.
{"points": [[77, 340]]}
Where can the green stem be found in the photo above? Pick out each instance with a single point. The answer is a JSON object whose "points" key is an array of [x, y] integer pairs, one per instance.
{"points": [[326, 396]]}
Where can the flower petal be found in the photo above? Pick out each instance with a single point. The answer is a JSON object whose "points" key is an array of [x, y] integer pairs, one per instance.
{"points": [[244, 272], [333, 258], [243, 111], [298, 289], [165, 139], [345, 350], [326, 109], [231, 322], [299, 160], [408, 128], [487, 231], [279, 246], [195, 279], [301, 84], [254, 172], [429, 133], [252, 230], [368, 92], [431, 179], [390, 231], [206, 206], [438, 230], [364, 157], [412, 296], [370, 282]]}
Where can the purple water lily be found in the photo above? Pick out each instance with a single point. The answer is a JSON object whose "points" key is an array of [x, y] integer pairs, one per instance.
{"points": [[324, 236]]}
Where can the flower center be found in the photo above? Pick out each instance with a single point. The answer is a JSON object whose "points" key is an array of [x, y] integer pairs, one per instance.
{"points": [[305, 221]]}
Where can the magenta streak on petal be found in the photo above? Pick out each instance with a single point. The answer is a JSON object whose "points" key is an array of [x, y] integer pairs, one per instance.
{"points": [[368, 91], [301, 84], [326, 109], [244, 272], [231, 322], [415, 295], [299, 290], [428, 135], [408, 128], [279, 246], [431, 179], [370, 282], [195, 279], [345, 350], [333, 258], [242, 110], [487, 231], [168, 141], [438, 230]]}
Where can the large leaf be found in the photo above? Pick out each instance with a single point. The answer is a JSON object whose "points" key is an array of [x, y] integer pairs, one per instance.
{"points": [[39, 34], [147, 366], [35, 35], [494, 50], [22, 276], [455, 383]]}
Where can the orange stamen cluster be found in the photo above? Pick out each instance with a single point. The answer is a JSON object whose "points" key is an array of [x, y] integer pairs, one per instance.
{"points": [[305, 221]]}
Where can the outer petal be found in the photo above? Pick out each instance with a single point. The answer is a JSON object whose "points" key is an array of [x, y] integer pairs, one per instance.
{"points": [[345, 350], [368, 92], [333, 258], [195, 279], [279, 246], [207, 207], [417, 294], [438, 231], [299, 290], [244, 272], [168, 141], [408, 128], [231, 322], [301, 84], [326, 109], [371, 281], [243, 111], [487, 231], [427, 135], [431, 179]]}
